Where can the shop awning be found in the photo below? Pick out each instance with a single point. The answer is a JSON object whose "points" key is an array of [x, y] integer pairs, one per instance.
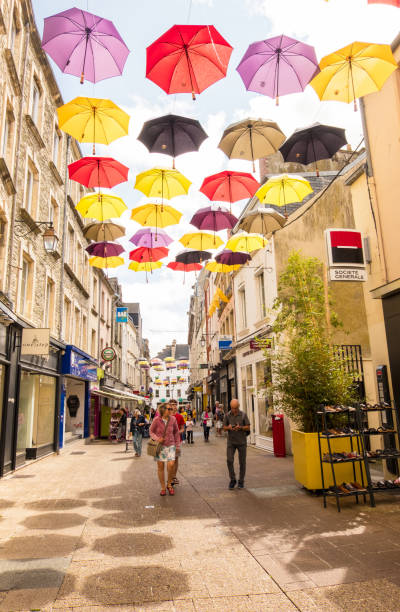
{"points": [[121, 395]]}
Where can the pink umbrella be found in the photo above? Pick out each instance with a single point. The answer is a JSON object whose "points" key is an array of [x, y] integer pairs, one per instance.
{"points": [[84, 45], [151, 238]]}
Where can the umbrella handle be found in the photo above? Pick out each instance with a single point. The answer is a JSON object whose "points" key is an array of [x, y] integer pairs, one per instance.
{"points": [[82, 78], [277, 101], [193, 96]]}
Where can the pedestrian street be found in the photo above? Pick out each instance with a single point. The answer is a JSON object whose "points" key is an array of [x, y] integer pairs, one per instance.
{"points": [[88, 531]]}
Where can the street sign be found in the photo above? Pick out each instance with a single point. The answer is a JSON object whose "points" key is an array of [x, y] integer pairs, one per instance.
{"points": [[121, 315], [108, 353], [348, 274], [225, 343]]}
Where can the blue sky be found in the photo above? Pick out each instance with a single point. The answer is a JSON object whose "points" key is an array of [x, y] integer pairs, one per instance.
{"points": [[326, 25]]}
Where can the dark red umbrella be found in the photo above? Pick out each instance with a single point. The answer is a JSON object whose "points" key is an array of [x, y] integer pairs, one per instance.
{"points": [[188, 59], [229, 186], [215, 218], [229, 258], [190, 256], [98, 172], [144, 254], [178, 266], [104, 249]]}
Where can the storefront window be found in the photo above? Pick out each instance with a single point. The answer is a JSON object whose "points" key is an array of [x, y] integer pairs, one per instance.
{"points": [[264, 397], [37, 402], [2, 374]]}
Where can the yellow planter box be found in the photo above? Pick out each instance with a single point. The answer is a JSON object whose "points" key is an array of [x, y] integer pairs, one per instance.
{"points": [[307, 467]]}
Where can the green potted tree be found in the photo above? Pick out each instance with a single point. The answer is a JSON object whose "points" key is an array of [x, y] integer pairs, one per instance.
{"points": [[307, 371]]}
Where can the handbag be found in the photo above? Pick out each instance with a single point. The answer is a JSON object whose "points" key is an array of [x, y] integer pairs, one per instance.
{"points": [[209, 423], [154, 447]]}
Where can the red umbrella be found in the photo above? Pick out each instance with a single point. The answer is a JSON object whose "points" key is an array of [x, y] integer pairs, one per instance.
{"points": [[188, 58], [229, 186], [178, 266], [98, 172], [144, 254], [391, 2]]}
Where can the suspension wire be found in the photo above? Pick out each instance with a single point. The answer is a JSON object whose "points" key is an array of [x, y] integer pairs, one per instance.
{"points": [[189, 11]]}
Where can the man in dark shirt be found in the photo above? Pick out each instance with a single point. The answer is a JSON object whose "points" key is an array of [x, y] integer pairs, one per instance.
{"points": [[236, 424]]}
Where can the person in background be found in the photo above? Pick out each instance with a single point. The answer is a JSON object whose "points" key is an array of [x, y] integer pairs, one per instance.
{"points": [[207, 420], [138, 424], [121, 432], [189, 430], [164, 429], [219, 418], [236, 423], [181, 427], [194, 415]]}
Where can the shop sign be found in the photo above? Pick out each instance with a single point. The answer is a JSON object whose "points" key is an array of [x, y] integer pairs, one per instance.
{"points": [[345, 255], [35, 341], [108, 353], [203, 366], [225, 343], [82, 367], [262, 343], [348, 274], [122, 315]]}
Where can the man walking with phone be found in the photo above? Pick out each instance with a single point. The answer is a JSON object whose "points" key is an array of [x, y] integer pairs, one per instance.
{"points": [[237, 425]]}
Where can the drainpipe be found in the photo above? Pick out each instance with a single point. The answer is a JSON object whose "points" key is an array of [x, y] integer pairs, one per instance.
{"points": [[64, 239], [16, 164]]}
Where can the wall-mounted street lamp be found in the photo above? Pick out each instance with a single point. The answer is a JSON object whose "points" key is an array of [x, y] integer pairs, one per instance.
{"points": [[50, 239], [203, 339]]}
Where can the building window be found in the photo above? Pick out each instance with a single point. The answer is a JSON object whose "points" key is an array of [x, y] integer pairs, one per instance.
{"points": [[35, 104], [49, 308], [261, 294], [94, 296], [93, 346], [242, 307], [26, 286], [53, 214], [71, 248], [31, 188], [67, 319], [157, 393], [77, 327], [178, 392], [102, 304], [167, 392], [56, 146], [8, 135], [79, 263], [84, 332]]}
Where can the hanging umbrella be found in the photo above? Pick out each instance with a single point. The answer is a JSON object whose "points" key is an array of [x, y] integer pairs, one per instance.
{"points": [[308, 145], [353, 72], [159, 368], [106, 262], [191, 257], [151, 238], [156, 361], [101, 206], [84, 45], [229, 186], [200, 241], [214, 218], [169, 360], [103, 231], [229, 258], [188, 59], [143, 363], [158, 381], [172, 135], [284, 189], [278, 66], [251, 139], [98, 172], [178, 266], [246, 243], [262, 221], [390, 2], [156, 215], [93, 120], [143, 254], [220, 268], [144, 266], [162, 183], [104, 249]]}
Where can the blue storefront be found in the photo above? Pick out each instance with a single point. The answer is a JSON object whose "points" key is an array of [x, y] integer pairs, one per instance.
{"points": [[78, 370]]}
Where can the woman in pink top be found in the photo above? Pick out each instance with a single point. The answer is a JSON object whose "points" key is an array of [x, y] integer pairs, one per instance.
{"points": [[164, 428]]}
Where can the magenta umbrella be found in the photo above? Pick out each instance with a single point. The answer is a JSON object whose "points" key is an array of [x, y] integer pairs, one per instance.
{"points": [[104, 249], [214, 218], [229, 258], [151, 238], [84, 45], [278, 66]]}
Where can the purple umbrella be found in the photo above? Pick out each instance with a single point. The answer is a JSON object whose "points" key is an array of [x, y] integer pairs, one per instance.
{"points": [[151, 238], [104, 249], [213, 218], [278, 66], [229, 258], [84, 45]]}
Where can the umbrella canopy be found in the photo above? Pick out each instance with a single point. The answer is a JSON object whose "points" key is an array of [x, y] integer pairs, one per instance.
{"points": [[354, 71], [172, 135], [278, 66], [156, 215], [284, 189], [262, 221], [169, 360], [106, 262], [220, 268], [103, 231], [246, 243], [84, 45], [93, 120], [101, 206], [229, 258], [251, 139], [188, 59], [156, 361], [144, 266], [98, 172], [190, 257], [178, 266], [151, 238], [390, 2], [229, 186], [308, 145], [104, 249], [200, 241], [214, 218], [143, 254], [159, 368], [162, 183]]}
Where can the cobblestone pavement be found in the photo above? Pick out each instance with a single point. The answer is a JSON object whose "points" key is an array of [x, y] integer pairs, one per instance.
{"points": [[88, 531]]}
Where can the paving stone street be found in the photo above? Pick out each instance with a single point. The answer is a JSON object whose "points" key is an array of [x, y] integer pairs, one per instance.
{"points": [[88, 531]]}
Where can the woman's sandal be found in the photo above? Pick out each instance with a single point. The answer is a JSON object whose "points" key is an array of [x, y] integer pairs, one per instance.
{"points": [[171, 490], [163, 492]]}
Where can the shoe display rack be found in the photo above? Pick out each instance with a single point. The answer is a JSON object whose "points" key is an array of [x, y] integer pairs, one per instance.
{"points": [[342, 422]]}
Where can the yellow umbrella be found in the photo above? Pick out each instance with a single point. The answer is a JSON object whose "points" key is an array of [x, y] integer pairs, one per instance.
{"points": [[219, 268], [246, 243], [162, 183], [93, 120], [201, 241], [144, 266], [169, 360], [106, 262], [101, 206], [354, 71], [156, 215], [284, 189]]}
